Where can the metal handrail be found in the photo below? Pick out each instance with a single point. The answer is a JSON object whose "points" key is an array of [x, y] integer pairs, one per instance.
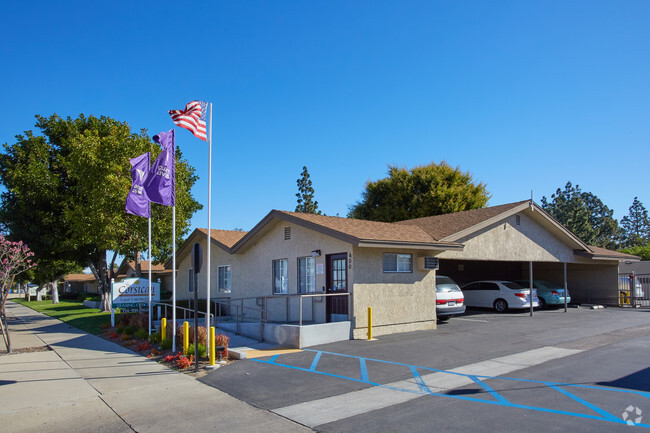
{"points": [[187, 312]]}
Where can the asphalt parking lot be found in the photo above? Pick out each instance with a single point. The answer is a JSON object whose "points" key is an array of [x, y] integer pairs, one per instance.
{"points": [[583, 370]]}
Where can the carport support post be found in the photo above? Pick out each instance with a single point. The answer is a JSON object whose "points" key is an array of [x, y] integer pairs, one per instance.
{"points": [[530, 280], [566, 290]]}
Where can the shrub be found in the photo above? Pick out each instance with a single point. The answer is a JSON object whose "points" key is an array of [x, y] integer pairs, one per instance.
{"points": [[166, 345], [202, 335], [144, 346], [113, 335], [130, 330], [105, 325], [141, 334], [155, 337], [170, 358], [134, 320], [125, 337], [203, 352], [222, 340], [184, 361]]}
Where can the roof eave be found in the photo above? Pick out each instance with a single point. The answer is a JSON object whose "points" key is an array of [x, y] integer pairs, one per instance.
{"points": [[441, 246]]}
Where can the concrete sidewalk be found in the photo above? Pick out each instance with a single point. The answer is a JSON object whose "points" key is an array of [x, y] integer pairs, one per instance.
{"points": [[72, 381]]}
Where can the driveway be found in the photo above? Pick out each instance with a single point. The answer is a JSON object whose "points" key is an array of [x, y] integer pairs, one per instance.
{"points": [[583, 370]]}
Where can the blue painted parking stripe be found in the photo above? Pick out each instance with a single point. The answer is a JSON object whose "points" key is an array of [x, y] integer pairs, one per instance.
{"points": [[314, 363], [420, 382], [593, 407], [363, 371], [489, 389], [423, 389]]}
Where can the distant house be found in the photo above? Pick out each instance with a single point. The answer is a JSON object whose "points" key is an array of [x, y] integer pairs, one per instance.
{"points": [[390, 267], [128, 269], [80, 283]]}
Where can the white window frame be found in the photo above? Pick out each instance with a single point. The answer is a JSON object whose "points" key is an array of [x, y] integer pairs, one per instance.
{"points": [[224, 278], [399, 263], [307, 280], [280, 283]]}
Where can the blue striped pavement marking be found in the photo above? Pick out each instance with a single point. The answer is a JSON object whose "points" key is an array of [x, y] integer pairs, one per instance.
{"points": [[499, 400]]}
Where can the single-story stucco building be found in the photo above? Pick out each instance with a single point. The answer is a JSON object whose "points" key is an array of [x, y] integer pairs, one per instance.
{"points": [[390, 267]]}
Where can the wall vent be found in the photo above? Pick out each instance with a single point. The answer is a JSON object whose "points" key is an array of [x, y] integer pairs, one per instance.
{"points": [[287, 233], [429, 263]]}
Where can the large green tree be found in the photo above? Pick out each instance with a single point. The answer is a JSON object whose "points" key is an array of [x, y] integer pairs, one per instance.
{"points": [[636, 225], [305, 194], [425, 190], [66, 191], [585, 215]]}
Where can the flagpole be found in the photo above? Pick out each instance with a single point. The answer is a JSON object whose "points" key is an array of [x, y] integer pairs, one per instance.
{"points": [[149, 268], [207, 313]]}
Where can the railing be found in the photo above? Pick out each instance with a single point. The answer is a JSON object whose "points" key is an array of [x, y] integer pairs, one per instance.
{"points": [[250, 320], [165, 309], [634, 290]]}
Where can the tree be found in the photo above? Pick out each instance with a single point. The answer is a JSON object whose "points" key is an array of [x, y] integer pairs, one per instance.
{"points": [[584, 215], [66, 189], [425, 190], [15, 258], [306, 203], [636, 225]]}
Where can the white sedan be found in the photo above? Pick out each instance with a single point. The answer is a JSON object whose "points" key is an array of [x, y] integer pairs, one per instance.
{"points": [[498, 294]]}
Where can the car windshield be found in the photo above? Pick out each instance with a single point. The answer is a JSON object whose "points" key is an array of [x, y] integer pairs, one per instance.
{"points": [[513, 286]]}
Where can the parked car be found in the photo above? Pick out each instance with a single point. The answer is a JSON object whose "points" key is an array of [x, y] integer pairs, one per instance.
{"points": [[498, 294], [450, 300], [548, 293]]}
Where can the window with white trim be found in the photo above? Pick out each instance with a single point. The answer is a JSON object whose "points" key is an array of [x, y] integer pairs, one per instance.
{"points": [[280, 277], [190, 280], [398, 262], [224, 278], [306, 274]]}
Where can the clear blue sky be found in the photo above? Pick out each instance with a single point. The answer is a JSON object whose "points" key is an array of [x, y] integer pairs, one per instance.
{"points": [[525, 95]]}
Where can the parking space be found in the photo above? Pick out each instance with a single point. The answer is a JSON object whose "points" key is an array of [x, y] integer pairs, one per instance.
{"points": [[574, 367]]}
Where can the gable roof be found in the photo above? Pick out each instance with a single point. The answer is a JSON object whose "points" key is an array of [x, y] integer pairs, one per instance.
{"points": [[357, 232]]}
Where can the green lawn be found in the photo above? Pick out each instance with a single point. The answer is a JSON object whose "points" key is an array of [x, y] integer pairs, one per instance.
{"points": [[72, 313]]}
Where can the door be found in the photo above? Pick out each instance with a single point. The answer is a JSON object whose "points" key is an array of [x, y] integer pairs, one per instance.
{"points": [[336, 307]]}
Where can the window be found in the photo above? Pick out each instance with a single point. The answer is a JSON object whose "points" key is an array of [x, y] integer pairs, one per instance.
{"points": [[398, 262], [190, 282], [280, 277], [224, 278], [306, 274]]}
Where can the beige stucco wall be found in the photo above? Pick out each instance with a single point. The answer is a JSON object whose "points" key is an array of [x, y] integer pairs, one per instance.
{"points": [[506, 241], [400, 302]]}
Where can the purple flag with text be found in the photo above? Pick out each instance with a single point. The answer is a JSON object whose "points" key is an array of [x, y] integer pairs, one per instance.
{"points": [[160, 185], [137, 202]]}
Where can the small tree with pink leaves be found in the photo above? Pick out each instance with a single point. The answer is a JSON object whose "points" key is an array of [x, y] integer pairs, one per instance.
{"points": [[15, 258]]}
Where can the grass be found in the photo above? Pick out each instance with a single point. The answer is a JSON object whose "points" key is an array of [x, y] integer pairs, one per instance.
{"points": [[73, 313]]}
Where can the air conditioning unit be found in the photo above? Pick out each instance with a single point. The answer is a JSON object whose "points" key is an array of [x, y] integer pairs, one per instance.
{"points": [[428, 263]]}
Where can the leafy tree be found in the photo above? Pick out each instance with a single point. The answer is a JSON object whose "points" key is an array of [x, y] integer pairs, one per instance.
{"points": [[306, 203], [425, 190], [585, 215], [66, 189], [636, 225], [642, 251]]}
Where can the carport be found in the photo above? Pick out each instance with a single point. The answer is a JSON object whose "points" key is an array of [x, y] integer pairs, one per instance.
{"points": [[502, 242]]}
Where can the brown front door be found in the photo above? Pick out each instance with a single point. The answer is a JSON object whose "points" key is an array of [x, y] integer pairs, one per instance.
{"points": [[336, 307]]}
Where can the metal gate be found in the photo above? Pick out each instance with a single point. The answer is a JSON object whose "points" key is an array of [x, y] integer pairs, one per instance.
{"points": [[634, 290]]}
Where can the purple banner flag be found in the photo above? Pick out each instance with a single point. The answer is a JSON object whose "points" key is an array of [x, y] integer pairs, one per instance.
{"points": [[137, 202], [161, 184]]}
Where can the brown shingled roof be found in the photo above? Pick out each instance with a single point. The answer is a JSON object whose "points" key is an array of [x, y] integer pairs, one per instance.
{"points": [[228, 238], [441, 226]]}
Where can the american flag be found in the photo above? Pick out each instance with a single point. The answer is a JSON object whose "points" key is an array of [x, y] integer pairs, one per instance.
{"points": [[192, 118]]}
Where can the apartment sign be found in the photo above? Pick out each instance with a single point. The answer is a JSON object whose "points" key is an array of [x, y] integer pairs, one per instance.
{"points": [[133, 292]]}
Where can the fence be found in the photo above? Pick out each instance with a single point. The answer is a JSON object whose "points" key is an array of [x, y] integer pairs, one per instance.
{"points": [[634, 290]]}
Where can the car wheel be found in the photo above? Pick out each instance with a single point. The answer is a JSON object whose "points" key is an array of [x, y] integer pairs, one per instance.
{"points": [[501, 305], [542, 303], [442, 319]]}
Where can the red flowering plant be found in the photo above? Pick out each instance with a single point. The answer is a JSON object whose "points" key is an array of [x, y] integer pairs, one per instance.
{"points": [[184, 362], [15, 258]]}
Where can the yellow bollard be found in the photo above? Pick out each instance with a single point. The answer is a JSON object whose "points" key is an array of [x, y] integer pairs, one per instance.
{"points": [[163, 329], [186, 337], [212, 351], [369, 323]]}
